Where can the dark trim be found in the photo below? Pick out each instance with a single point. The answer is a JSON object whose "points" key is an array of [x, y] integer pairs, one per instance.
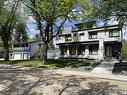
{"points": [[85, 42], [64, 35], [85, 22], [111, 42], [97, 28], [88, 42]]}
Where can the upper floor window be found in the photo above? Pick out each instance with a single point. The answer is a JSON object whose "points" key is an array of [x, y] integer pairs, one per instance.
{"points": [[92, 35], [75, 35], [81, 34], [25, 45], [21, 45], [68, 37], [114, 33], [17, 45]]}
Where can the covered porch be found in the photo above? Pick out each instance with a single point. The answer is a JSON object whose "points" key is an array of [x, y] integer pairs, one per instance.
{"points": [[113, 49], [82, 50]]}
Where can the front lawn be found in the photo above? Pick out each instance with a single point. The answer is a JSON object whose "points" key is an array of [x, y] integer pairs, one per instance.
{"points": [[52, 63]]}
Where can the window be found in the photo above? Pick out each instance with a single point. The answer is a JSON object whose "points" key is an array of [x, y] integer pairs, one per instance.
{"points": [[63, 50], [75, 35], [81, 50], [93, 50], [92, 35], [81, 34], [25, 45], [68, 37], [17, 45], [72, 50], [114, 33]]}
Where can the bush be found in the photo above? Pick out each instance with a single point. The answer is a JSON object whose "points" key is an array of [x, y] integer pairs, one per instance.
{"points": [[52, 63], [66, 63]]}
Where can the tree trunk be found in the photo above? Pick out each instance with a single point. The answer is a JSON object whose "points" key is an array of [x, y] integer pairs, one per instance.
{"points": [[44, 57], [7, 54]]}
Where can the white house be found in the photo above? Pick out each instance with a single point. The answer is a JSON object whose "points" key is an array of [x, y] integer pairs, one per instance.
{"points": [[25, 50], [86, 40]]}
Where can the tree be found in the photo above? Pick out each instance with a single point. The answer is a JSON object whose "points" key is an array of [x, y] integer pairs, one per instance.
{"points": [[7, 21], [50, 16], [109, 9], [20, 34]]}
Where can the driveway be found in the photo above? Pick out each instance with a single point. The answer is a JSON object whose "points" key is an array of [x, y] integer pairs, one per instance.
{"points": [[32, 81]]}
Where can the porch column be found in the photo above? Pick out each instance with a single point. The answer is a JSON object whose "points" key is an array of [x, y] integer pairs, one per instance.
{"points": [[68, 51], [76, 51], [86, 51], [101, 49]]}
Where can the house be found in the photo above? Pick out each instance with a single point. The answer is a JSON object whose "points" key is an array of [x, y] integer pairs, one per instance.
{"points": [[86, 40], [25, 50]]}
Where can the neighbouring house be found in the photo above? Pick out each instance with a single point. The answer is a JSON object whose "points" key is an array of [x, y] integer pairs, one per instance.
{"points": [[86, 40], [25, 50], [29, 50]]}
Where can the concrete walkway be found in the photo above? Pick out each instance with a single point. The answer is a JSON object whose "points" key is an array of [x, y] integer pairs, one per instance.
{"points": [[107, 67]]}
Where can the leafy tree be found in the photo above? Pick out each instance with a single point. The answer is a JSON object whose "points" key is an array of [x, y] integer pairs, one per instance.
{"points": [[7, 21], [109, 9], [50, 16], [21, 34]]}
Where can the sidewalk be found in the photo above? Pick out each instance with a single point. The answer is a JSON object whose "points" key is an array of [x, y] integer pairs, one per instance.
{"points": [[92, 75]]}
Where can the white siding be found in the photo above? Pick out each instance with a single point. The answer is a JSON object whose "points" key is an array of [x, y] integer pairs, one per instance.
{"points": [[101, 34], [34, 47]]}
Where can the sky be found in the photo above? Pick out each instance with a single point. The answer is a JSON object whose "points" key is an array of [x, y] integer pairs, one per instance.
{"points": [[32, 27]]}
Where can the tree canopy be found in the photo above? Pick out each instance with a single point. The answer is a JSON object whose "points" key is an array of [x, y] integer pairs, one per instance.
{"points": [[50, 16], [109, 9], [7, 22]]}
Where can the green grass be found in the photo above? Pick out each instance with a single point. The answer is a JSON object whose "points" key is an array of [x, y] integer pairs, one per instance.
{"points": [[51, 63]]}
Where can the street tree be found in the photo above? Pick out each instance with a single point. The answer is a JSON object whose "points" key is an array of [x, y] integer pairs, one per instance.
{"points": [[50, 16], [109, 9], [7, 21], [20, 34]]}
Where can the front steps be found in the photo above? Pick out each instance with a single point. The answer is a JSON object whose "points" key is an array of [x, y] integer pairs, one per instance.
{"points": [[107, 66]]}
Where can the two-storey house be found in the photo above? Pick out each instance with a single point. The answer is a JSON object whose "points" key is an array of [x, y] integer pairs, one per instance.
{"points": [[86, 40], [25, 50]]}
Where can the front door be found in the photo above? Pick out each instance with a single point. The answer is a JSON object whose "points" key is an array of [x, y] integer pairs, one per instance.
{"points": [[108, 51]]}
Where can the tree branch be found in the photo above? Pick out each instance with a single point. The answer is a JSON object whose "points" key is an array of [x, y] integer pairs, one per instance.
{"points": [[59, 29], [24, 3]]}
